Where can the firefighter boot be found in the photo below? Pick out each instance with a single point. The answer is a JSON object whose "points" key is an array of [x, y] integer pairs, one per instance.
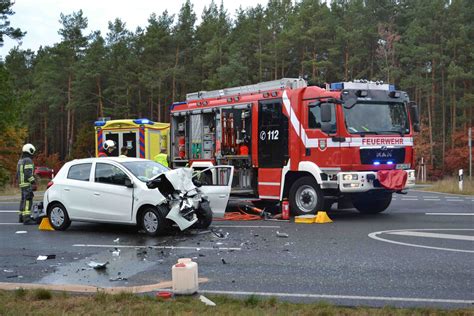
{"points": [[20, 218]]}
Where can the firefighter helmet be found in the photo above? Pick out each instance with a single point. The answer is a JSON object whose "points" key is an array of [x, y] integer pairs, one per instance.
{"points": [[109, 144], [28, 148]]}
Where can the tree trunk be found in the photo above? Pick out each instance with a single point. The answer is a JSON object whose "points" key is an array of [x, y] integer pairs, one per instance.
{"points": [[68, 126], [346, 64], [443, 115], [314, 67], [453, 114], [100, 109], [45, 129], [173, 90], [431, 110]]}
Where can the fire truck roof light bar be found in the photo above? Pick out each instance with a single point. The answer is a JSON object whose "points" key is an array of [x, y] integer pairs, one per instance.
{"points": [[361, 85], [292, 83]]}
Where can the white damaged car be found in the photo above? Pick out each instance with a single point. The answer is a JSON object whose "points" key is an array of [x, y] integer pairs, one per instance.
{"points": [[136, 192]]}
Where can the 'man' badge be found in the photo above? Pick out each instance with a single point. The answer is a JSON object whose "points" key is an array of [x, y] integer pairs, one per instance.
{"points": [[322, 144]]}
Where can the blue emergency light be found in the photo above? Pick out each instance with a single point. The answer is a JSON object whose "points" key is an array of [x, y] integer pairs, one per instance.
{"points": [[389, 162], [376, 163], [99, 123], [143, 121]]}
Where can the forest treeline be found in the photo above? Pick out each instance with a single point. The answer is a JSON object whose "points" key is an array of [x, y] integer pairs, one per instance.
{"points": [[424, 47]]}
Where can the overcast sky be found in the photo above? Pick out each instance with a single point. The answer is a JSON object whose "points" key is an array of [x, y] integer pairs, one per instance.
{"points": [[40, 18]]}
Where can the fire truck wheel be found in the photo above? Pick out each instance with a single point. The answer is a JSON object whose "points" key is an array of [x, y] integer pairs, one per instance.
{"points": [[153, 221], [204, 215], [305, 197], [372, 204]]}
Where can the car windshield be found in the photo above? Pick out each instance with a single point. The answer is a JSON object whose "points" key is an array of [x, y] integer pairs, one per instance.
{"points": [[144, 170], [377, 118]]}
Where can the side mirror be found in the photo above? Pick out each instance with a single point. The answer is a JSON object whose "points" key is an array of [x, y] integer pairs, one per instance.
{"points": [[128, 183], [415, 116]]}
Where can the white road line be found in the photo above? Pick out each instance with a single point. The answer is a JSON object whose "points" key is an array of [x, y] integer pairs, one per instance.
{"points": [[347, 297], [245, 226], [455, 214], [375, 235], [405, 199], [431, 199], [11, 224], [433, 235], [454, 200], [155, 247], [431, 196], [9, 211]]}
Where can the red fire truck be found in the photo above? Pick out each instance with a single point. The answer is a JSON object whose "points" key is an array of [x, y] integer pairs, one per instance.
{"points": [[313, 146]]}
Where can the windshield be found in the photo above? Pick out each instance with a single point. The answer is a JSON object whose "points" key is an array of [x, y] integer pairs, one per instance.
{"points": [[144, 170], [377, 118]]}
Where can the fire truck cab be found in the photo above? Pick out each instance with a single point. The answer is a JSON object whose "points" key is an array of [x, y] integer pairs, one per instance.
{"points": [[311, 145]]}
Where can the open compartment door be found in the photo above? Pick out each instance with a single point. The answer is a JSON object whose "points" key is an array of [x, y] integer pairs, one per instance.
{"points": [[216, 184]]}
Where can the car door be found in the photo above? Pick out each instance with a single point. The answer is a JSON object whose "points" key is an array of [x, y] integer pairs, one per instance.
{"points": [[111, 200], [216, 185], [76, 191]]}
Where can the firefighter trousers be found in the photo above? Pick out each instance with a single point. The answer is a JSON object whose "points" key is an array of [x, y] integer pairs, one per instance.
{"points": [[26, 201]]}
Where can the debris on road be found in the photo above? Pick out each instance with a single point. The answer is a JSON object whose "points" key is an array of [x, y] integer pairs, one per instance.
{"points": [[206, 301], [282, 235], [8, 271], [223, 261], [117, 240], [118, 279], [116, 252], [21, 232], [98, 265], [164, 294], [47, 257]]}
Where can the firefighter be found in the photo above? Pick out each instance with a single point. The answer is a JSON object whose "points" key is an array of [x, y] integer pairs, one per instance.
{"points": [[161, 158], [108, 147], [123, 152], [25, 175]]}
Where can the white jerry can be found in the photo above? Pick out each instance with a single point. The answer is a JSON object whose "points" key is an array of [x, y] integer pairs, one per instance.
{"points": [[185, 276]]}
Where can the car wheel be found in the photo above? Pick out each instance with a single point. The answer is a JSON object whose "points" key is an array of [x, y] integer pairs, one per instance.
{"points": [[306, 197], [372, 203], [153, 221], [204, 216], [58, 217]]}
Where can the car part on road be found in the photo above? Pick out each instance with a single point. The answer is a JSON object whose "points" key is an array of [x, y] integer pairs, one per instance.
{"points": [[283, 235], [98, 265], [206, 301], [58, 217]]}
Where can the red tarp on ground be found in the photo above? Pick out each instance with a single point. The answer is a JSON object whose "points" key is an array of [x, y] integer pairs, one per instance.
{"points": [[392, 179]]}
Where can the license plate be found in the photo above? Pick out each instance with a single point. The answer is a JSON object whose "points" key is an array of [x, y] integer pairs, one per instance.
{"points": [[402, 166]]}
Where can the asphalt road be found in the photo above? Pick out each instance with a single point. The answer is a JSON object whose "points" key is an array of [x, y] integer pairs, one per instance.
{"points": [[418, 253]]}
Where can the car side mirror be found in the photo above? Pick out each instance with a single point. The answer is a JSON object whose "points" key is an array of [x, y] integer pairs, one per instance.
{"points": [[326, 112], [128, 183]]}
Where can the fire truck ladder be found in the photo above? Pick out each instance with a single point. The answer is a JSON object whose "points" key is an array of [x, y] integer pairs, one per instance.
{"points": [[292, 83]]}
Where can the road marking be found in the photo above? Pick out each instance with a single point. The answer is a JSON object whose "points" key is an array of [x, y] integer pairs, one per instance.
{"points": [[11, 224], [9, 212], [432, 199], [245, 226], [156, 247], [454, 200], [375, 236], [433, 235], [430, 196], [347, 297], [455, 214], [410, 199]]}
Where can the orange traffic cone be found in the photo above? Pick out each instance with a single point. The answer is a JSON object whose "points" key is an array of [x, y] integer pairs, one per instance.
{"points": [[45, 224], [322, 218]]}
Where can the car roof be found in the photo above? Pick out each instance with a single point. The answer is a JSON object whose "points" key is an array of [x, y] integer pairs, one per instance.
{"points": [[105, 159]]}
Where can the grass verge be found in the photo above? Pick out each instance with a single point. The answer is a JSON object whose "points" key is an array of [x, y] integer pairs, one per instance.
{"points": [[43, 302], [10, 190], [451, 185]]}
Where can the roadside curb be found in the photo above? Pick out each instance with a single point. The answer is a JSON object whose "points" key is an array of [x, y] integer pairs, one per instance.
{"points": [[78, 288]]}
